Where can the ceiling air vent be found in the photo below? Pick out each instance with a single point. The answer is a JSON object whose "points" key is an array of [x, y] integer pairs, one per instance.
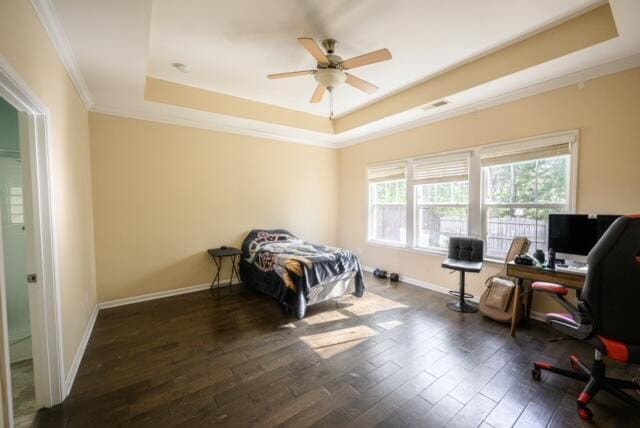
{"points": [[436, 104]]}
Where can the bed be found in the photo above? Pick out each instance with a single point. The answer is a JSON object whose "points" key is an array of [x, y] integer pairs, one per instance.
{"points": [[298, 273]]}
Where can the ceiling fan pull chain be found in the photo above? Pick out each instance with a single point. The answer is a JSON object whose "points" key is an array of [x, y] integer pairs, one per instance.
{"points": [[330, 103]]}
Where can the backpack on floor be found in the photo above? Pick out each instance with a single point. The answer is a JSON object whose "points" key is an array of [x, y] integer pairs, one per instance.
{"points": [[498, 299]]}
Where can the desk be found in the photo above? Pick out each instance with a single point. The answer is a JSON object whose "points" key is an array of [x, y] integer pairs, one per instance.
{"points": [[573, 280]]}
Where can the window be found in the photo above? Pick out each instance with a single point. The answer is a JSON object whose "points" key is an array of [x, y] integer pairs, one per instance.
{"points": [[441, 189], [388, 203], [493, 192], [16, 208], [521, 189]]}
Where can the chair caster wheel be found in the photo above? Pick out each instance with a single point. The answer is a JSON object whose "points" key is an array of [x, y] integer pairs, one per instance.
{"points": [[584, 413], [536, 374]]}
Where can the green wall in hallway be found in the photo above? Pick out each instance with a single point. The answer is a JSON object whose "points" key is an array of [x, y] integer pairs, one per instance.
{"points": [[9, 139]]}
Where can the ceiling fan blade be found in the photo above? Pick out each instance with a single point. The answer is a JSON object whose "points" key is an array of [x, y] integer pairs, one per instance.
{"points": [[310, 45], [290, 74], [366, 59], [363, 85], [318, 94]]}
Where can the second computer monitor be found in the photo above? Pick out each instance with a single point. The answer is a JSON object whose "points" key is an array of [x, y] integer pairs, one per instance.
{"points": [[576, 234]]}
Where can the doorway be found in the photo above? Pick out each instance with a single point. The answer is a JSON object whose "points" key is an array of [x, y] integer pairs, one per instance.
{"points": [[31, 368], [13, 237]]}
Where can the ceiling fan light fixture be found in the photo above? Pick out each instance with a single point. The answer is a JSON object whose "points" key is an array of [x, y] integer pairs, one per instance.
{"points": [[330, 78], [330, 73]]}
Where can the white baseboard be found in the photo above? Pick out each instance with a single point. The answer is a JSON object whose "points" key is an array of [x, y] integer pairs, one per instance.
{"points": [[444, 290], [19, 360], [192, 289], [20, 347], [77, 359], [422, 284], [159, 295]]}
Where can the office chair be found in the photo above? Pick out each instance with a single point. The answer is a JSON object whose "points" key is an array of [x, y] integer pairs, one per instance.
{"points": [[465, 255], [607, 316]]}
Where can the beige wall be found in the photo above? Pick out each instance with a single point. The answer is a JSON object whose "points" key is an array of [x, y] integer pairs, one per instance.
{"points": [[607, 113], [26, 46], [163, 194]]}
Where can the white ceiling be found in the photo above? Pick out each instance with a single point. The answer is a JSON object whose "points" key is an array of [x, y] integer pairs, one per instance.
{"points": [[110, 46], [232, 45]]}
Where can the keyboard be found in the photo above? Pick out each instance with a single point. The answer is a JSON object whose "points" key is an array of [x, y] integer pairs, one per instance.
{"points": [[573, 269]]}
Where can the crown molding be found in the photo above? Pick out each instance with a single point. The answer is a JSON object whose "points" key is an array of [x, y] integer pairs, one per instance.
{"points": [[338, 143], [475, 57], [179, 121], [515, 95], [46, 12], [47, 15]]}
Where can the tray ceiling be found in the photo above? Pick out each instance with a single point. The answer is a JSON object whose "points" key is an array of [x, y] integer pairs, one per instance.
{"points": [[113, 48], [230, 46]]}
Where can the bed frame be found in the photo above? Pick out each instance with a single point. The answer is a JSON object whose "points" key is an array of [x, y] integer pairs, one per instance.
{"points": [[269, 283], [345, 284]]}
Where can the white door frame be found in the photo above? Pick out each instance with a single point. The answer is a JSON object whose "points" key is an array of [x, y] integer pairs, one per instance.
{"points": [[44, 298]]}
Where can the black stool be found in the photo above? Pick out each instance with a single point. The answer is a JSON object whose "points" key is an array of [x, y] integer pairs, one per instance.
{"points": [[465, 255]]}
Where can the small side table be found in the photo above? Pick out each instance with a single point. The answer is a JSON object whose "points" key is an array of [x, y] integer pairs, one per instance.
{"points": [[218, 255]]}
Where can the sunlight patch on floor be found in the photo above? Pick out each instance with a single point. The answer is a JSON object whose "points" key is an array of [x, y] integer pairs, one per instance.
{"points": [[289, 325], [371, 303], [332, 343], [325, 317], [388, 325]]}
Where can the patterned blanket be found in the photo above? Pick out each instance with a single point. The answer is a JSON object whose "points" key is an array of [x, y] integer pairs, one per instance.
{"points": [[298, 262]]}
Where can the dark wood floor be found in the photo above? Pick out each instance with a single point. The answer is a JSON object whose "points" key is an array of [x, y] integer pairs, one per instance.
{"points": [[397, 357]]}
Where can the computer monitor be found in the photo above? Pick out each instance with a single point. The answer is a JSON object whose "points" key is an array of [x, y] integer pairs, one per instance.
{"points": [[572, 236], [603, 222]]}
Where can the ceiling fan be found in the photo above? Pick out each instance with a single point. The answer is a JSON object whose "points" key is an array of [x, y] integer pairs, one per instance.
{"points": [[330, 69]]}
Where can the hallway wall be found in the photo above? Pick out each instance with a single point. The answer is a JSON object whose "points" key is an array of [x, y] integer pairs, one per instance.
{"points": [[26, 46]]}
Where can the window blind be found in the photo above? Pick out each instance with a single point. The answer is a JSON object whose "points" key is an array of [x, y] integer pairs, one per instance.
{"points": [[505, 155], [442, 169], [387, 172]]}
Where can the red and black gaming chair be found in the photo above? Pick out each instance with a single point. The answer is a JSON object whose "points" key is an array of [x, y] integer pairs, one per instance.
{"points": [[607, 315]]}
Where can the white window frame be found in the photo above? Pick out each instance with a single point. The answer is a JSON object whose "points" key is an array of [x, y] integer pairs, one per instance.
{"points": [[460, 155], [369, 206], [435, 205], [476, 209], [372, 211], [486, 206], [13, 217]]}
